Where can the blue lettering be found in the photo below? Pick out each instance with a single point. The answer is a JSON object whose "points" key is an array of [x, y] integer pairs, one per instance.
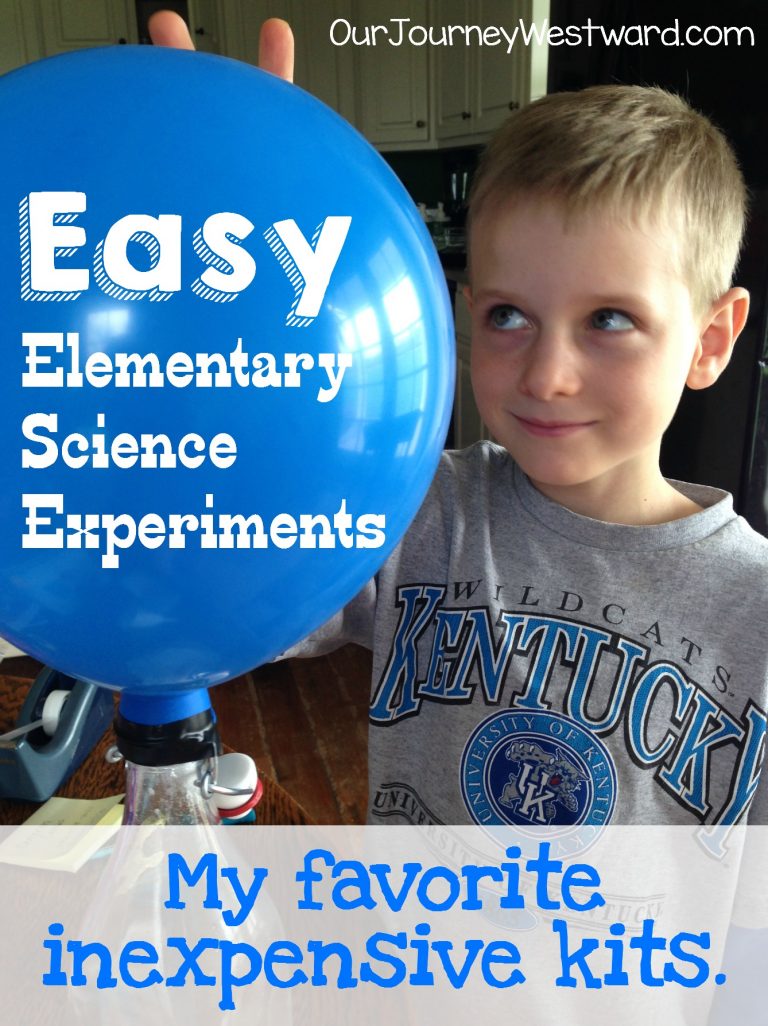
{"points": [[395, 900], [549, 633], [640, 707], [569, 959], [692, 755], [139, 953], [402, 666], [581, 874], [373, 949], [321, 952], [246, 899], [283, 953], [436, 873], [81, 951], [701, 940], [308, 876], [504, 953], [55, 977], [189, 964], [647, 943], [492, 661], [357, 881], [177, 868], [747, 772], [576, 701], [448, 625], [457, 977], [229, 951]]}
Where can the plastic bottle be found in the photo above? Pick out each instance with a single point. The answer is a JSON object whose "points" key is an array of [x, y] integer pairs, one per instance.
{"points": [[130, 899]]}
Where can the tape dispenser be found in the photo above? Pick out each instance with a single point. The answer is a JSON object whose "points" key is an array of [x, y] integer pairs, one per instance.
{"points": [[60, 723]]}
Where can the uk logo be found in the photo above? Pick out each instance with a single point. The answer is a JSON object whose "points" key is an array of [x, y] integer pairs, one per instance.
{"points": [[537, 769]]}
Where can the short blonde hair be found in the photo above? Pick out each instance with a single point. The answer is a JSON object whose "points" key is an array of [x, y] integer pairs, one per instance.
{"points": [[637, 152]]}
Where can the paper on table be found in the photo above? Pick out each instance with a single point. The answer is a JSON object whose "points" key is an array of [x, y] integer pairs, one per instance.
{"points": [[82, 828], [8, 651]]}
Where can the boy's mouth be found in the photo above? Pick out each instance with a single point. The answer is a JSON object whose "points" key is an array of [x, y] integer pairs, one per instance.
{"points": [[550, 428]]}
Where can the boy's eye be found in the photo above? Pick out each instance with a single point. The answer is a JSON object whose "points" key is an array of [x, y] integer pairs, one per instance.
{"points": [[507, 318], [612, 320]]}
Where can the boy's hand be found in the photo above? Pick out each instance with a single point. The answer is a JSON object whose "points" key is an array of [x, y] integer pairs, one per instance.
{"points": [[167, 28]]}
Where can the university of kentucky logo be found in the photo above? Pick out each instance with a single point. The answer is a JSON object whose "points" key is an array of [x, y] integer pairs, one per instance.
{"points": [[537, 769]]}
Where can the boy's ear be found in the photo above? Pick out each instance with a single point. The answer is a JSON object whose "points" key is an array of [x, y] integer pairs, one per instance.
{"points": [[722, 326], [466, 291]]}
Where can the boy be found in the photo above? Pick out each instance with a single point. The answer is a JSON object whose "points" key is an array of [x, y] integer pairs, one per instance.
{"points": [[560, 637], [563, 637]]}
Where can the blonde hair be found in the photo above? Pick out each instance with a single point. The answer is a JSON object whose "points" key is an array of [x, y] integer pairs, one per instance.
{"points": [[639, 153]]}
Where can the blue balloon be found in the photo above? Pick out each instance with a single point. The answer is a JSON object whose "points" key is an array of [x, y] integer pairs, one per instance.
{"points": [[228, 365]]}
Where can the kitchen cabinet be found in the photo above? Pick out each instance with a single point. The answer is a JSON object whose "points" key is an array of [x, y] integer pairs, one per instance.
{"points": [[452, 72], [204, 25], [33, 29], [42, 28], [478, 85], [415, 95], [392, 81], [322, 68], [67, 25], [454, 90], [19, 40]]}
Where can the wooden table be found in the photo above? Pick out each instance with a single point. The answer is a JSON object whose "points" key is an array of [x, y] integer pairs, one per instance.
{"points": [[97, 778]]}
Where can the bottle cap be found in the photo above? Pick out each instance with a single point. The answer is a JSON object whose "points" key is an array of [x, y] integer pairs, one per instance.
{"points": [[154, 740], [237, 772]]}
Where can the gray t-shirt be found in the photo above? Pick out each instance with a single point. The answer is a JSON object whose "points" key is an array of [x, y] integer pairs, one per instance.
{"points": [[533, 666]]}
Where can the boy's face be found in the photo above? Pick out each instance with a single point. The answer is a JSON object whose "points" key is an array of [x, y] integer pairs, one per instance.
{"points": [[582, 341]]}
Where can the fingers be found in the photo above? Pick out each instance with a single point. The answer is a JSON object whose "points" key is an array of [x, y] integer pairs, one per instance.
{"points": [[276, 48], [166, 28]]}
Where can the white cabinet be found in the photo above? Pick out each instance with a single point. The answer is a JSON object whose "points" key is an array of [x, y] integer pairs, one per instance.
{"points": [[391, 74], [19, 40], [42, 28], [446, 84], [452, 70], [72, 25], [468, 426], [322, 68], [478, 84], [410, 74], [204, 25]]}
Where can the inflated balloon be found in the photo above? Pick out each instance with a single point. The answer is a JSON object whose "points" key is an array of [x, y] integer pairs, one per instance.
{"points": [[227, 359]]}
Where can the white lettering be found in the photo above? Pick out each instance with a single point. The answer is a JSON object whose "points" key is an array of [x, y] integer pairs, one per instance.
{"points": [[237, 368], [124, 451], [162, 238], [216, 235], [46, 236], [314, 265]]}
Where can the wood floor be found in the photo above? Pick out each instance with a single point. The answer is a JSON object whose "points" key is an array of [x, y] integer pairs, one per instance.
{"points": [[305, 722]]}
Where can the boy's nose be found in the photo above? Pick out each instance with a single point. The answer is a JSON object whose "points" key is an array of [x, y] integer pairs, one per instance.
{"points": [[550, 367]]}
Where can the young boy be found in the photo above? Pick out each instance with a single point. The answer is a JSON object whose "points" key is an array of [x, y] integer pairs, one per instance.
{"points": [[563, 637]]}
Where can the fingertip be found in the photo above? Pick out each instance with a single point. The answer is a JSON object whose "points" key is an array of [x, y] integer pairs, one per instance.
{"points": [[276, 48], [167, 28]]}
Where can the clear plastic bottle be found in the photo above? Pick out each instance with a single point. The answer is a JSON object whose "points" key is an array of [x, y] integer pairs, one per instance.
{"points": [[169, 816], [168, 795]]}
